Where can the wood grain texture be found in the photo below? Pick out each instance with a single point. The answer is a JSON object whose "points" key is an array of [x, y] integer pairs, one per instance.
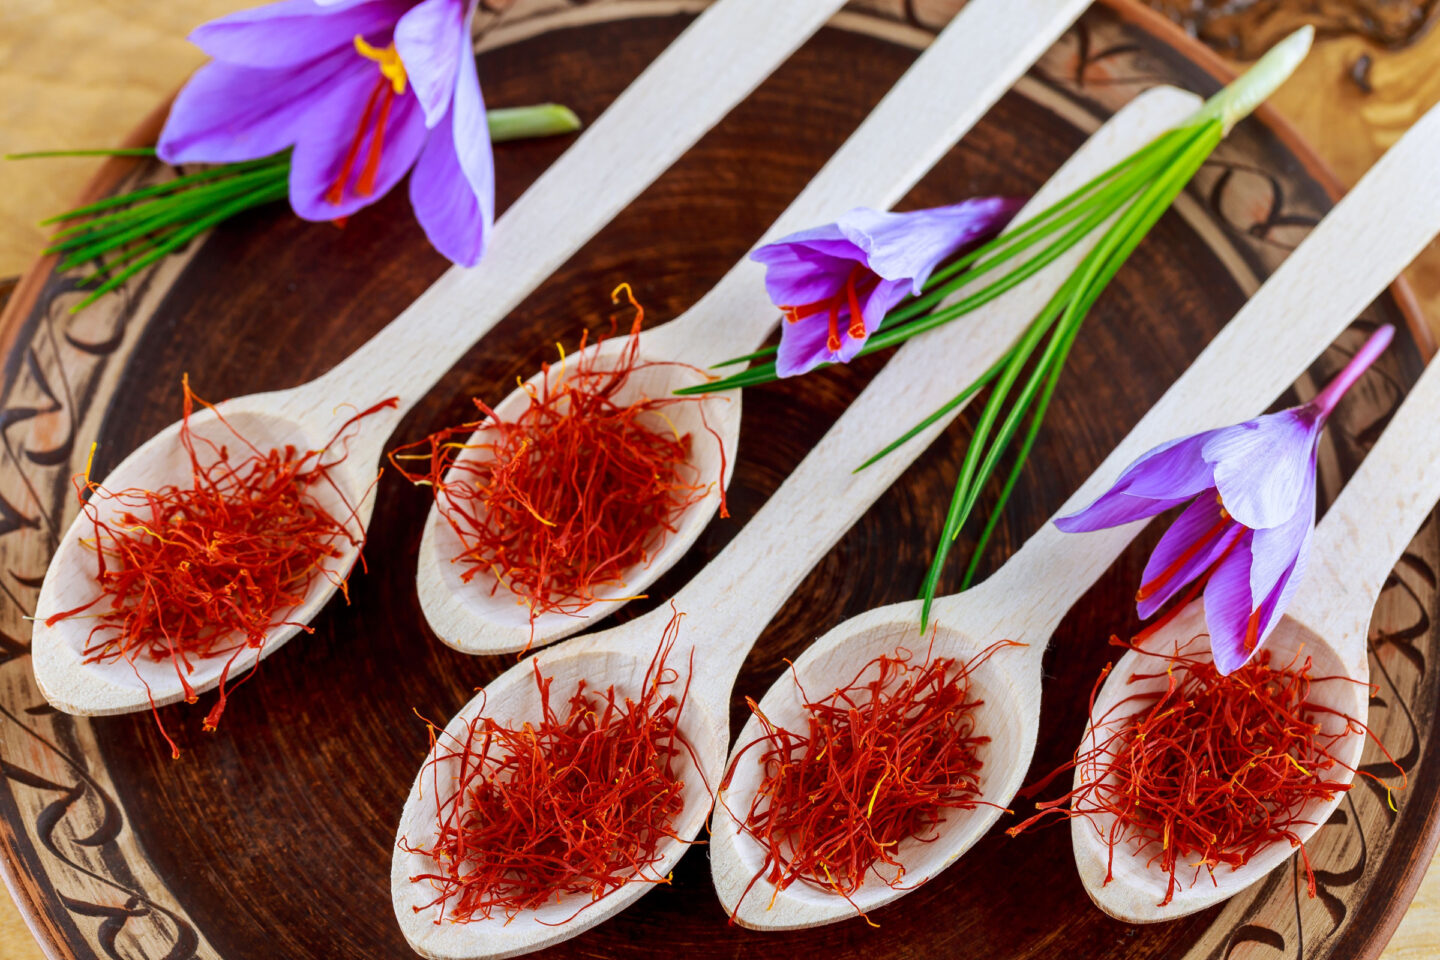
{"points": [[76, 75], [282, 845]]}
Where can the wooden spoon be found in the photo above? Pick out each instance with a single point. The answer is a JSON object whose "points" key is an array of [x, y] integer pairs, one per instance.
{"points": [[1362, 536], [1343, 265], [709, 68], [988, 45], [735, 596]]}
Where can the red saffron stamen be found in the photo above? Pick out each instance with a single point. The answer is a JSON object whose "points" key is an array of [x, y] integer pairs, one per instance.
{"points": [[1252, 631], [882, 759], [365, 185], [857, 317], [194, 573], [1209, 770], [573, 805], [336, 192], [1152, 587], [573, 493], [859, 281]]}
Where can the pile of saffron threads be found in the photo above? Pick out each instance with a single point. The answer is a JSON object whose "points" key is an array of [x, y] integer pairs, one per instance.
{"points": [[187, 574], [1209, 771], [882, 760], [575, 804], [571, 494]]}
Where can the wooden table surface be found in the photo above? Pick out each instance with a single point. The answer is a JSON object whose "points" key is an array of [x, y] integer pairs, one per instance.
{"points": [[82, 73]]}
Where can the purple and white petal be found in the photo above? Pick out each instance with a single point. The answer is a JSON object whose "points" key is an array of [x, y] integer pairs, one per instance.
{"points": [[470, 128], [1261, 466], [428, 39], [803, 347], [1228, 607], [1279, 557], [293, 32], [448, 208], [1115, 508], [1165, 477], [807, 270], [227, 113], [909, 246]]}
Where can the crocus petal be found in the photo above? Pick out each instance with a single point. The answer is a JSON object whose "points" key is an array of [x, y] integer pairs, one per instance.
{"points": [[808, 269], [1187, 549], [455, 214], [471, 129], [1228, 607], [1272, 608], [323, 143], [1261, 466], [1165, 477], [909, 246], [803, 347], [1279, 556], [228, 113], [429, 41], [292, 32], [805, 343]]}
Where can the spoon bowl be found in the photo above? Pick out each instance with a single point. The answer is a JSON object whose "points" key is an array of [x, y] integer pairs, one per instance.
{"points": [[834, 661], [1136, 888], [122, 686], [513, 699], [481, 614]]}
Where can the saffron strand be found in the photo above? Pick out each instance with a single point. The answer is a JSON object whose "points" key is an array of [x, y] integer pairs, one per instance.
{"points": [[195, 573], [570, 805], [882, 759], [563, 500], [1207, 771]]}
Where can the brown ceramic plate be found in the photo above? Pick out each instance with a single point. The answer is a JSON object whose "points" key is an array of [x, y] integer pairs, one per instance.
{"points": [[272, 837]]}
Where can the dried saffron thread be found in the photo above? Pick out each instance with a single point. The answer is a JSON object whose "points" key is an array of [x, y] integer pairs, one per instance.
{"points": [[188, 574], [1209, 771], [572, 805], [574, 492], [882, 760]]}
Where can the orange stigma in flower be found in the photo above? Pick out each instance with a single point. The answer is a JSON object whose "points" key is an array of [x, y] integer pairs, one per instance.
{"points": [[1252, 631], [1154, 585], [847, 296], [389, 85]]}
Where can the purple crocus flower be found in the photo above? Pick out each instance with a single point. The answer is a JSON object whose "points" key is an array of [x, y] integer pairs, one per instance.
{"points": [[363, 90], [1251, 514], [836, 283]]}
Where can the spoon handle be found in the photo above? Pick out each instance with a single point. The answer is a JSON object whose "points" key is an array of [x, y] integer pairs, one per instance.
{"points": [[985, 49], [742, 588], [1369, 525], [705, 72], [1345, 263]]}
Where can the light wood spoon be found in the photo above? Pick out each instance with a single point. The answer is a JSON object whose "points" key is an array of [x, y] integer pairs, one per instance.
{"points": [[1344, 264], [708, 69], [973, 61], [1357, 544], [733, 598]]}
